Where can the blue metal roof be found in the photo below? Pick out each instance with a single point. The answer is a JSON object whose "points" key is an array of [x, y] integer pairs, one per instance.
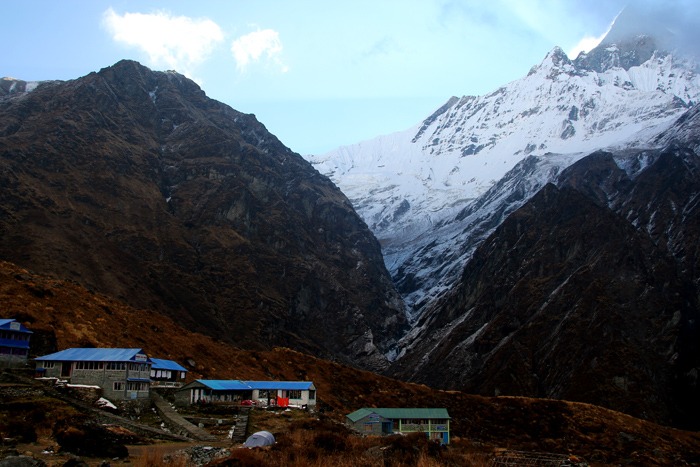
{"points": [[225, 384], [5, 325], [94, 355], [238, 385], [160, 364]]}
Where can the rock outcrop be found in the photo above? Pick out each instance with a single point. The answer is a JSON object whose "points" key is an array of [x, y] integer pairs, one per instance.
{"points": [[588, 292]]}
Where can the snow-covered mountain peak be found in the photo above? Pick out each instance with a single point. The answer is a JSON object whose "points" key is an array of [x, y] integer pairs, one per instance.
{"points": [[555, 63], [643, 30], [639, 24], [412, 187]]}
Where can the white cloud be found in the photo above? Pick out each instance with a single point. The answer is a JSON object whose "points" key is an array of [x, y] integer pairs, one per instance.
{"points": [[258, 45], [178, 42], [586, 44]]}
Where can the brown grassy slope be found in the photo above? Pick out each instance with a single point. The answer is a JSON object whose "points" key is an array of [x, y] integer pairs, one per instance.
{"points": [[80, 318]]}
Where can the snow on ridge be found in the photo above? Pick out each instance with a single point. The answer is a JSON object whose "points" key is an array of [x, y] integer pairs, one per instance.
{"points": [[411, 187]]}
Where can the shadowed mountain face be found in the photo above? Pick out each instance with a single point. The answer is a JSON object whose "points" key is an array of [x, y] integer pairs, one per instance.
{"points": [[135, 184], [589, 292]]}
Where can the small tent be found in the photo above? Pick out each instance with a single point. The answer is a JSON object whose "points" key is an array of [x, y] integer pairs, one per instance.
{"points": [[261, 438]]}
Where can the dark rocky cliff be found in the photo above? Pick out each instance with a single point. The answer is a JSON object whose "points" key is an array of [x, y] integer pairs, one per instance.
{"points": [[589, 292], [133, 183]]}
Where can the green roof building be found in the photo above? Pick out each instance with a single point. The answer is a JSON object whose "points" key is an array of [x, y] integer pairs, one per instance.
{"points": [[435, 423]]}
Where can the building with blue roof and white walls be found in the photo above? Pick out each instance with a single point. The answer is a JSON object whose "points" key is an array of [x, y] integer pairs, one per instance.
{"points": [[123, 374], [263, 393], [167, 373], [14, 343]]}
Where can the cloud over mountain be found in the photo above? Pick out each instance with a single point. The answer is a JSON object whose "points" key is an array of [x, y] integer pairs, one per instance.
{"points": [[178, 42]]}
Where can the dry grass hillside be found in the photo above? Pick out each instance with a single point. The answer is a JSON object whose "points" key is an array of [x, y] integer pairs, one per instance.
{"points": [[76, 317]]}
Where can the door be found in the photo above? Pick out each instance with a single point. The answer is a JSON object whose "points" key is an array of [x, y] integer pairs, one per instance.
{"points": [[65, 369]]}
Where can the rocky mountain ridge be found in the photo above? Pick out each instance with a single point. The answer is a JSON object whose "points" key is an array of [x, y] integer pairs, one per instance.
{"points": [[417, 186], [134, 184], [589, 291], [543, 235]]}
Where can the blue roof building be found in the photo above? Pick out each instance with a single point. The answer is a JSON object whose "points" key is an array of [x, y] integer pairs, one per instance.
{"points": [[281, 393], [14, 343], [122, 374], [96, 355], [167, 373]]}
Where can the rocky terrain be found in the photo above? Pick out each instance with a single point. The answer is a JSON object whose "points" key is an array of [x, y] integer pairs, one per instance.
{"points": [[544, 235], [136, 185], [587, 292], [533, 263], [64, 314]]}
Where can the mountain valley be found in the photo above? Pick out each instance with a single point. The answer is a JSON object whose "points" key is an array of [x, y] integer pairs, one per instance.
{"points": [[535, 245], [544, 236], [63, 314]]}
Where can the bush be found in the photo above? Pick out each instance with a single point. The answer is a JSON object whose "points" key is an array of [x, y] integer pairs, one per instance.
{"points": [[408, 449], [23, 431], [330, 442], [79, 436], [242, 458]]}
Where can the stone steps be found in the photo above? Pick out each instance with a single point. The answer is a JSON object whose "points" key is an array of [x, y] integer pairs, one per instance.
{"points": [[176, 422]]}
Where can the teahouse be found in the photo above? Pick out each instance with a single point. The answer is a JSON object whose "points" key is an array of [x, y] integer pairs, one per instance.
{"points": [[280, 393], [167, 373], [14, 342], [123, 374], [435, 423]]}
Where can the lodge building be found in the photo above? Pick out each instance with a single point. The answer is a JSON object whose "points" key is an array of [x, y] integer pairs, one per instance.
{"points": [[123, 374], [435, 423], [14, 343]]}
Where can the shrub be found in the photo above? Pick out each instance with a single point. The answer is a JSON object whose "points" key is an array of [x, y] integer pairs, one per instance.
{"points": [[242, 458], [330, 442], [408, 449], [19, 429], [79, 436]]}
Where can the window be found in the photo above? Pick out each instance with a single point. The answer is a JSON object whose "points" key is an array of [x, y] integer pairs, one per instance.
{"points": [[116, 366], [312, 394], [136, 386], [137, 367], [118, 385], [368, 427], [89, 365], [49, 364], [294, 394]]}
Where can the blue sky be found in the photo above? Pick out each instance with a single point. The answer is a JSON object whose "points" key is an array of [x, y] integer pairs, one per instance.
{"points": [[318, 74]]}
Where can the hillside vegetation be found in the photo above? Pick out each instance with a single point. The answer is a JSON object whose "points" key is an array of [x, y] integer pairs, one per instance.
{"points": [[63, 315]]}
